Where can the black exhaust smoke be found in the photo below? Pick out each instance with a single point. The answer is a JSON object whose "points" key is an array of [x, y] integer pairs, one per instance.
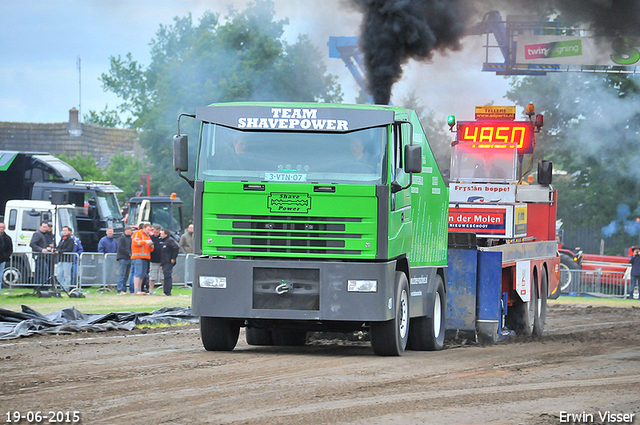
{"points": [[393, 31]]}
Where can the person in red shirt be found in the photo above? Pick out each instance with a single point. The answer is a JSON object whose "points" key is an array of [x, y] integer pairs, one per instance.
{"points": [[141, 247]]}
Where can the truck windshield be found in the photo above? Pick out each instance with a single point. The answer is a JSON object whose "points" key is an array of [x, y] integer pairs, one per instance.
{"points": [[232, 155], [108, 204]]}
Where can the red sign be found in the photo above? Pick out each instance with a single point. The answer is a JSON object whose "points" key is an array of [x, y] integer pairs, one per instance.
{"points": [[486, 221], [497, 135]]}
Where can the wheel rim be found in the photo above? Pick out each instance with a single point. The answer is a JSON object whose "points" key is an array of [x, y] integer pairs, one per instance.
{"points": [[404, 314], [437, 315], [10, 276], [564, 283]]}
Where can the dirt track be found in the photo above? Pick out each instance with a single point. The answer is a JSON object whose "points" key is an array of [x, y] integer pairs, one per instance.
{"points": [[588, 360]]}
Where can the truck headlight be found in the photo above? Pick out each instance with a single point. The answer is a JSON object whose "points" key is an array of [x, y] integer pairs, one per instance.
{"points": [[362, 285], [213, 282]]}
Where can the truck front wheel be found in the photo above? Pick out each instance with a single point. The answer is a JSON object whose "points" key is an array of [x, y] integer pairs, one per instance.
{"points": [[427, 333], [219, 334], [390, 338]]}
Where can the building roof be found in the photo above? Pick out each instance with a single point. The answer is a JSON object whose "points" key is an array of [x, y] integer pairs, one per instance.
{"points": [[70, 138]]}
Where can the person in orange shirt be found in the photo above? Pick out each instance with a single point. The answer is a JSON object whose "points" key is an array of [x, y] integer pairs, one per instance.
{"points": [[141, 247]]}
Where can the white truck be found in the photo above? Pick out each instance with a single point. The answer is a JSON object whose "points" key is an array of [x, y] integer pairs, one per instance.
{"points": [[22, 219]]}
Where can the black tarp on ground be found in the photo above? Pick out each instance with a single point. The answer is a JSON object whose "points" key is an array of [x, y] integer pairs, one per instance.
{"points": [[69, 320]]}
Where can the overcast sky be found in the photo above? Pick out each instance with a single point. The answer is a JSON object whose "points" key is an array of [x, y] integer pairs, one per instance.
{"points": [[42, 40]]}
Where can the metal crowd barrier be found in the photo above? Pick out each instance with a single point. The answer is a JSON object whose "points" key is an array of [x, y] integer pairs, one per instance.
{"points": [[77, 271], [40, 270], [595, 282]]}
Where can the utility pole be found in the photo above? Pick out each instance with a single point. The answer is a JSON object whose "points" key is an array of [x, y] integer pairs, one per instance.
{"points": [[79, 65]]}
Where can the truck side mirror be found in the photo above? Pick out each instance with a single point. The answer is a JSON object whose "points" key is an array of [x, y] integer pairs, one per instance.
{"points": [[59, 197], [181, 152], [413, 159]]}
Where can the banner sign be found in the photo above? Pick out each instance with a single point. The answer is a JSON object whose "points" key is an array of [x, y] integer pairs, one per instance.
{"points": [[294, 118], [482, 193], [567, 50], [496, 221], [495, 112]]}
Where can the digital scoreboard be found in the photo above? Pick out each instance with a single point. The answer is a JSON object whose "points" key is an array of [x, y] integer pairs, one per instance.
{"points": [[497, 135]]}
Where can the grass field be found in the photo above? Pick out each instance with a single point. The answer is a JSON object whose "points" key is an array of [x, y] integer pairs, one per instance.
{"points": [[94, 301], [106, 302], [611, 302]]}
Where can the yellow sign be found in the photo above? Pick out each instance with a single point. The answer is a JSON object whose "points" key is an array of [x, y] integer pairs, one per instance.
{"points": [[520, 220], [495, 112]]}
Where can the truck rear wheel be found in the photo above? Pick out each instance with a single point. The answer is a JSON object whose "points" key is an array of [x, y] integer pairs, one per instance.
{"points": [[219, 334], [521, 317], [390, 338], [289, 338], [257, 336], [541, 310], [567, 275], [427, 333]]}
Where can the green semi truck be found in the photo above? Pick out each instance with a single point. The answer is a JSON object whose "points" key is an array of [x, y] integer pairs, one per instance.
{"points": [[317, 217], [335, 218]]}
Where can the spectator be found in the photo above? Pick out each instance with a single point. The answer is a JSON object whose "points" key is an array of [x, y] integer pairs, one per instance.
{"points": [[155, 272], [169, 253], [108, 244], [6, 248], [40, 245], [186, 241], [78, 249], [49, 235], [124, 260], [634, 260], [65, 248], [141, 247]]}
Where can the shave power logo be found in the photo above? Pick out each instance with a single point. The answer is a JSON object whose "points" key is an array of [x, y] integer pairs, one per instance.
{"points": [[289, 202]]}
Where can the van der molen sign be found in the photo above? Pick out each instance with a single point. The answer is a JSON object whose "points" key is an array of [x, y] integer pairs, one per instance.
{"points": [[293, 118]]}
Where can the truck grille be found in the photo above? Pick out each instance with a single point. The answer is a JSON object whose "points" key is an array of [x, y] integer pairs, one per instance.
{"points": [[288, 234]]}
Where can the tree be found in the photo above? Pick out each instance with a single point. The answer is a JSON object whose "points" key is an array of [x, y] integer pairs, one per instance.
{"points": [[106, 118], [592, 123], [124, 172], [87, 167], [240, 58]]}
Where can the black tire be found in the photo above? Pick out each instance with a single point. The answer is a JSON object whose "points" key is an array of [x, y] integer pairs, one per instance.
{"points": [[521, 317], [257, 336], [289, 338], [541, 310], [427, 333], [219, 334], [567, 277], [390, 338]]}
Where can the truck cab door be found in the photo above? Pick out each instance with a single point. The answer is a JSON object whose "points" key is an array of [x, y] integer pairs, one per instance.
{"points": [[400, 202]]}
